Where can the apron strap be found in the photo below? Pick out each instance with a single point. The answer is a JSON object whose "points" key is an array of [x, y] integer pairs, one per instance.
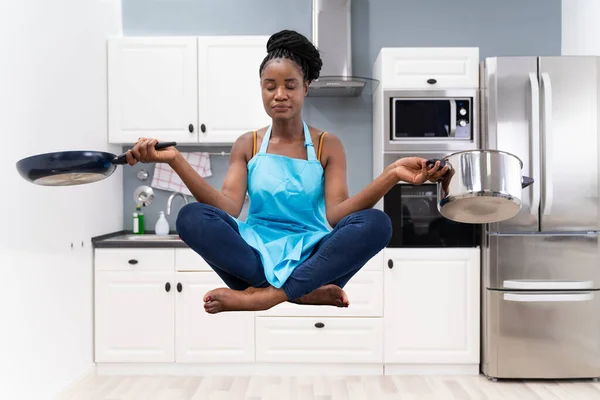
{"points": [[310, 149]]}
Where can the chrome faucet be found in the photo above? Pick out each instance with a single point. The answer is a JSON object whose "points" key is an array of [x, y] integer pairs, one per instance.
{"points": [[171, 197]]}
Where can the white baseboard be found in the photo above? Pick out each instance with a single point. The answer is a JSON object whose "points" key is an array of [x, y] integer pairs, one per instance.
{"points": [[238, 369], [431, 369], [282, 369]]}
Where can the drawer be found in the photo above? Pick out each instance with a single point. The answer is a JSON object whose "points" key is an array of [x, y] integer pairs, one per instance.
{"points": [[319, 340], [412, 68], [134, 259], [365, 291], [189, 260]]}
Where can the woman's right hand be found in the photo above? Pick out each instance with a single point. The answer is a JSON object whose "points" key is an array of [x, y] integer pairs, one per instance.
{"points": [[144, 151]]}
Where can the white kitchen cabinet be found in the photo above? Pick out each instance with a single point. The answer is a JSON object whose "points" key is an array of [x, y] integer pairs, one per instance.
{"points": [[146, 310], [153, 89], [319, 340], [201, 337], [134, 316], [193, 90], [229, 91], [427, 68], [431, 306]]}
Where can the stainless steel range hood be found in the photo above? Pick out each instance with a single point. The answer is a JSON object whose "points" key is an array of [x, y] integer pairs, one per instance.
{"points": [[333, 37]]}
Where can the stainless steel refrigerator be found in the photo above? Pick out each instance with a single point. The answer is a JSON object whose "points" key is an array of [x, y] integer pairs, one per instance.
{"points": [[541, 269]]}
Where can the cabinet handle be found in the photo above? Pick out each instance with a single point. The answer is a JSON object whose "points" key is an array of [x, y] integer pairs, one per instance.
{"points": [[132, 262], [203, 128], [179, 287], [431, 81], [168, 286], [319, 325], [390, 264], [191, 128]]}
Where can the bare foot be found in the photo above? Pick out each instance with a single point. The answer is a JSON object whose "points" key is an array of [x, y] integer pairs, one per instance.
{"points": [[326, 295], [251, 299]]}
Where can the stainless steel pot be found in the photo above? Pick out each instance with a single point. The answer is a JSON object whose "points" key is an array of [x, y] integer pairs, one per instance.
{"points": [[481, 186]]}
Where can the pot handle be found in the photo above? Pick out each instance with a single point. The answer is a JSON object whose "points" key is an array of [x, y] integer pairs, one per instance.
{"points": [[431, 162], [526, 181]]}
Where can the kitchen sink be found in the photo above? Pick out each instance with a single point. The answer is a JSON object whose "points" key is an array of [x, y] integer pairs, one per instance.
{"points": [[145, 238]]}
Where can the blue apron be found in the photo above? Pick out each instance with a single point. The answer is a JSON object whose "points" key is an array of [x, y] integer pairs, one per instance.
{"points": [[286, 218]]}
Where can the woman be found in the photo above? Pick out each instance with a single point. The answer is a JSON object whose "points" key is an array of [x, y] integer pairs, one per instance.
{"points": [[295, 175]]}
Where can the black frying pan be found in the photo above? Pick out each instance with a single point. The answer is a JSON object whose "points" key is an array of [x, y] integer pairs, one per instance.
{"points": [[67, 168]]}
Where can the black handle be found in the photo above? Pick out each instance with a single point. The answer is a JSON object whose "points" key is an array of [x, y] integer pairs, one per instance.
{"points": [[431, 81], [526, 181], [132, 262], [179, 287], [390, 264], [319, 325], [203, 128], [191, 128], [122, 160], [431, 162], [168, 286]]}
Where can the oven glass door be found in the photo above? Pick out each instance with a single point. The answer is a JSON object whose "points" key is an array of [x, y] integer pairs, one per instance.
{"points": [[416, 221], [431, 118]]}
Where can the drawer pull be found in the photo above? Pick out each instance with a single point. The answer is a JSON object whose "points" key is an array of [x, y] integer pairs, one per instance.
{"points": [[431, 81], [319, 325], [168, 286], [179, 287], [132, 262], [390, 264]]}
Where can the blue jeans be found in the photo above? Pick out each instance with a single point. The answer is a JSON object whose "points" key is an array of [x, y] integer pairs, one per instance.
{"points": [[214, 235]]}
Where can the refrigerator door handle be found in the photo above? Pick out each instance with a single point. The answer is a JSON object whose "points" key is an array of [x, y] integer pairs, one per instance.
{"points": [[528, 284], [534, 119], [537, 298], [547, 158]]}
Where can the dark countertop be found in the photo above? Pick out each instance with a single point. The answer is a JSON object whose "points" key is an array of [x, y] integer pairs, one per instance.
{"points": [[113, 240]]}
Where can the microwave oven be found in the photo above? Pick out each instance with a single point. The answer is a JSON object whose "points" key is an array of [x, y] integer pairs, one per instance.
{"points": [[436, 120]]}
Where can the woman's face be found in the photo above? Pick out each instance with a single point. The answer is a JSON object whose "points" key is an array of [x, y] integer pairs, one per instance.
{"points": [[283, 89]]}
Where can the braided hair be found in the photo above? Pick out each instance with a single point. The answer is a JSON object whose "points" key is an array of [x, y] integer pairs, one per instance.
{"points": [[297, 48]]}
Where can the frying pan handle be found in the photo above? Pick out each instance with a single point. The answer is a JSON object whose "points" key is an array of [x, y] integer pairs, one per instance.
{"points": [[122, 159]]}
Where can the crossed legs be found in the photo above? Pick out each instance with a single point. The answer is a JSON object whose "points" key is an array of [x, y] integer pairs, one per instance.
{"points": [[214, 235]]}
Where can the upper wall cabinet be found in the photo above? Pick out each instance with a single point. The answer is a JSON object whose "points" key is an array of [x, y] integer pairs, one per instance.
{"points": [[427, 68], [203, 90]]}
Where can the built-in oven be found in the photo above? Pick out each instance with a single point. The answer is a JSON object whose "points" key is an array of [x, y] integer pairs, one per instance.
{"points": [[416, 221], [440, 119]]}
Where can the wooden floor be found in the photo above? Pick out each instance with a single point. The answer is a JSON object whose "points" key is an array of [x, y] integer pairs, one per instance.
{"points": [[324, 388]]}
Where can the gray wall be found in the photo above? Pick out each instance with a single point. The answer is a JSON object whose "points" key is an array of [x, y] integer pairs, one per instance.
{"points": [[498, 28]]}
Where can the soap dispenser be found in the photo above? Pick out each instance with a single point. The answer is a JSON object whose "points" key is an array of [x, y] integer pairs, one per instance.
{"points": [[162, 225]]}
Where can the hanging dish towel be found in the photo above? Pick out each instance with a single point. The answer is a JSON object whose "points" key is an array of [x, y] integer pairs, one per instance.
{"points": [[165, 178]]}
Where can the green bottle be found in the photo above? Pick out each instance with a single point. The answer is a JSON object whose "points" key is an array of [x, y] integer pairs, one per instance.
{"points": [[138, 221]]}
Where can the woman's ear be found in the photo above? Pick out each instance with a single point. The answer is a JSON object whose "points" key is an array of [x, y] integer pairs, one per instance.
{"points": [[306, 83]]}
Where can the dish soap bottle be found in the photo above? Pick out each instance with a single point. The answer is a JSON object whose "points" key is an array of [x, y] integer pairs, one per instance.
{"points": [[162, 225], [138, 221]]}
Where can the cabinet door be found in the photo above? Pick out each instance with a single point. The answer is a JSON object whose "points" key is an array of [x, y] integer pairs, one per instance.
{"points": [[431, 306], [425, 68], [229, 97], [134, 316], [203, 337], [152, 89]]}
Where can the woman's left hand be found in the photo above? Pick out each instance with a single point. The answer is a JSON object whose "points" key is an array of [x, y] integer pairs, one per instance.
{"points": [[437, 174], [415, 170]]}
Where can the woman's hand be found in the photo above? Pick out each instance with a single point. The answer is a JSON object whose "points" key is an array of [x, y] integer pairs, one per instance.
{"points": [[414, 170], [437, 174], [144, 151]]}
